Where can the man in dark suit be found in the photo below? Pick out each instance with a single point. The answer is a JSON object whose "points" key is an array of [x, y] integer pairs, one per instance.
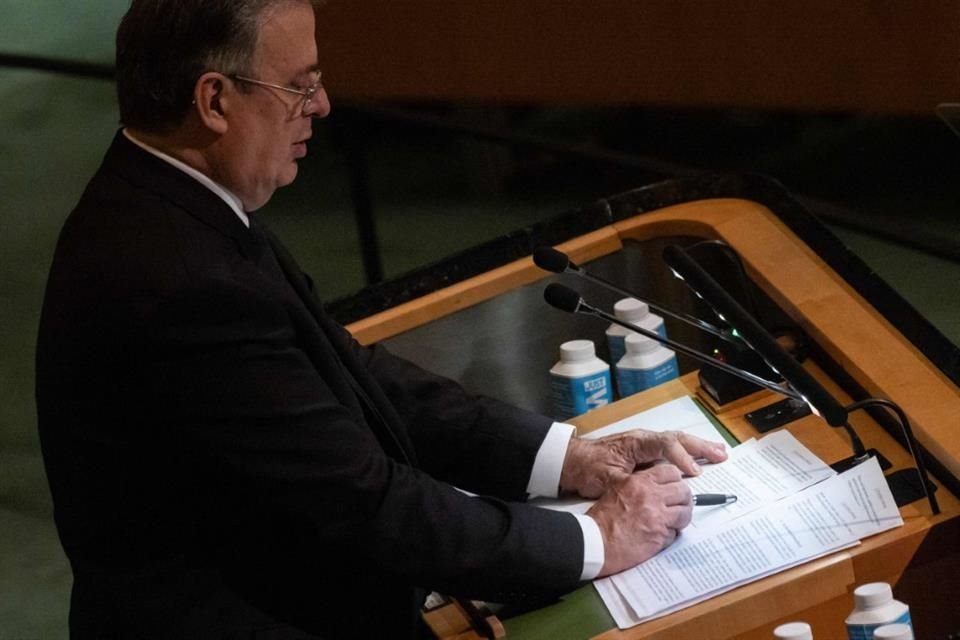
{"points": [[225, 460]]}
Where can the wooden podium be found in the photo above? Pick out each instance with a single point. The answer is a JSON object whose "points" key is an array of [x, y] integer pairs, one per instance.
{"points": [[872, 349]]}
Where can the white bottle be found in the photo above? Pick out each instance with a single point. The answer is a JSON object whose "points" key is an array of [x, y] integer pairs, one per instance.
{"points": [[793, 631], [893, 632], [646, 364], [580, 381], [874, 607], [635, 312]]}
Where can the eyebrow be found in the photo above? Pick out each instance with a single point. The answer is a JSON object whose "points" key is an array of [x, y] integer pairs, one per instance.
{"points": [[314, 68]]}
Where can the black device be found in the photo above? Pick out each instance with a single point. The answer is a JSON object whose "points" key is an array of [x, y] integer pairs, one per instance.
{"points": [[723, 263], [724, 388]]}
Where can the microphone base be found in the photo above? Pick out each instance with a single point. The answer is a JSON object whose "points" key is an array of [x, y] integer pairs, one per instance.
{"points": [[906, 486]]}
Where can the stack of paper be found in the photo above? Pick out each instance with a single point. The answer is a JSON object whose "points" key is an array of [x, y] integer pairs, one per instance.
{"points": [[712, 558]]}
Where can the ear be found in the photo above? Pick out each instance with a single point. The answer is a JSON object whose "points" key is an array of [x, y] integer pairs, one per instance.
{"points": [[210, 102]]}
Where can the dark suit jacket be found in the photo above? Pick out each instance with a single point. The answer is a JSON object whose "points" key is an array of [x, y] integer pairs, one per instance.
{"points": [[226, 460]]}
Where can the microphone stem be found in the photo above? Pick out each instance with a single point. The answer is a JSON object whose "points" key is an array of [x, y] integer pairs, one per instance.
{"points": [[859, 451], [682, 317], [911, 443], [585, 308]]}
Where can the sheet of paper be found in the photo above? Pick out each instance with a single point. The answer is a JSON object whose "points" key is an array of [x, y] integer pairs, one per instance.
{"points": [[705, 561], [758, 472], [625, 617], [682, 414]]}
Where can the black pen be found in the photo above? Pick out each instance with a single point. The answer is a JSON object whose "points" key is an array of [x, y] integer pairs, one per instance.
{"points": [[713, 499]]}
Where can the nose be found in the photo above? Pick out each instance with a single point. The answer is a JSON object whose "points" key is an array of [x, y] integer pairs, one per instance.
{"points": [[318, 106]]}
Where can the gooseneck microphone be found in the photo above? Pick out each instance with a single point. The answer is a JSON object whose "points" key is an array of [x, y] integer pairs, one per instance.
{"points": [[555, 261], [566, 299]]}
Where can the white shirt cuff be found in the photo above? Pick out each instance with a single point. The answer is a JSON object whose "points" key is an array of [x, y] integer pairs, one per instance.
{"points": [[593, 552], [545, 475]]}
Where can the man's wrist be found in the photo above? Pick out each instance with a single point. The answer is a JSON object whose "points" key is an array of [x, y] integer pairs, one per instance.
{"points": [[593, 551], [570, 479]]}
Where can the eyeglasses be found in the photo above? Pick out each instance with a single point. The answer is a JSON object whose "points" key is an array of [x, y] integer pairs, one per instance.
{"points": [[307, 92]]}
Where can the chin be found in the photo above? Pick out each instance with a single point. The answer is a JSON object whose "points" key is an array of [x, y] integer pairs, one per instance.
{"points": [[288, 176], [258, 203]]}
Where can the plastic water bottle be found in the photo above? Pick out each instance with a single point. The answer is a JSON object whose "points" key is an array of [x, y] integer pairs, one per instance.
{"points": [[893, 632], [580, 381], [635, 312], [646, 364], [874, 607], [793, 631]]}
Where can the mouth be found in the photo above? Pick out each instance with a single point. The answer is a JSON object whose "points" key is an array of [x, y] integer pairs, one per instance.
{"points": [[300, 148]]}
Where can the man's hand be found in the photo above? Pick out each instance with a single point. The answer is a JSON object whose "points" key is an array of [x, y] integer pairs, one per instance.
{"points": [[591, 466], [640, 514]]}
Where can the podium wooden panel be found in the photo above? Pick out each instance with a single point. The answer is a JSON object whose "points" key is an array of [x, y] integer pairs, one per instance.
{"points": [[852, 333]]}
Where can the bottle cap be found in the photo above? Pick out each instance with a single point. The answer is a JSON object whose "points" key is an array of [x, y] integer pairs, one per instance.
{"points": [[577, 351], [895, 631], [872, 594], [636, 343], [793, 631], [631, 310]]}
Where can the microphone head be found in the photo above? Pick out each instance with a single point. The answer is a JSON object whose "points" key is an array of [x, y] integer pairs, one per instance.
{"points": [[561, 297], [549, 259]]}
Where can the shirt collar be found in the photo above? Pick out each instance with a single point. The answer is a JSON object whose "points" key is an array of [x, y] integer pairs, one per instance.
{"points": [[232, 200]]}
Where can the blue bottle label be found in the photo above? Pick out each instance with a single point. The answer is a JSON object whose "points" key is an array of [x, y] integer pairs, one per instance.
{"points": [[630, 381], [617, 347], [574, 396], [865, 631]]}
